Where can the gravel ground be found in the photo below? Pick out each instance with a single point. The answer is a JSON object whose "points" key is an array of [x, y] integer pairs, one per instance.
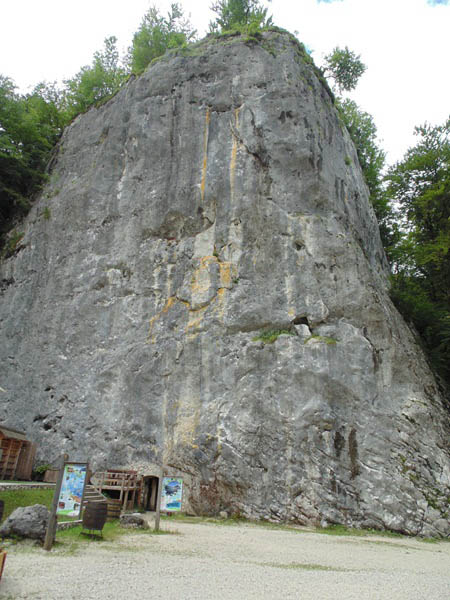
{"points": [[207, 561]]}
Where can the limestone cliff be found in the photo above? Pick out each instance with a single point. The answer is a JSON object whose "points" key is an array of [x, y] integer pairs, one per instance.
{"points": [[214, 199]]}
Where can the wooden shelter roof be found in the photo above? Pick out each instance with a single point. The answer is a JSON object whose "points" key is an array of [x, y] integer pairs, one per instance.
{"points": [[13, 434]]}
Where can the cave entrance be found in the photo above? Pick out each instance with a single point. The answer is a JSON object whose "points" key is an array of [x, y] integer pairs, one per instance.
{"points": [[150, 485]]}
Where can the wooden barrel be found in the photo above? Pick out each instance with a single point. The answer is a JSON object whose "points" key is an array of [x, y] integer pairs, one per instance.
{"points": [[94, 516], [2, 505], [114, 508]]}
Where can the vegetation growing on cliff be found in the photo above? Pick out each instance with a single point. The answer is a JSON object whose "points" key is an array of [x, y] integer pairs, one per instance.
{"points": [[239, 14], [94, 83], [344, 67], [157, 34]]}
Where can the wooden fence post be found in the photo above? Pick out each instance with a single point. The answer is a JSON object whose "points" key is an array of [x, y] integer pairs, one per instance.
{"points": [[51, 527], [158, 501]]}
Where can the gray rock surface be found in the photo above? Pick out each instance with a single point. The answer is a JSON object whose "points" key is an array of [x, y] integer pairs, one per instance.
{"points": [[215, 198], [27, 522], [133, 521]]}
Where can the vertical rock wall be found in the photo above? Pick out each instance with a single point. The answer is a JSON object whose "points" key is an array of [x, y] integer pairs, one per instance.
{"points": [[215, 199]]}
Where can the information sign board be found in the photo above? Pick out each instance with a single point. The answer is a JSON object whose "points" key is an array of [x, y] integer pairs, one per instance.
{"points": [[72, 489], [171, 494]]}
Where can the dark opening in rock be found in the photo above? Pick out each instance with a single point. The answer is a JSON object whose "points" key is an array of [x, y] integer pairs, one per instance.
{"points": [[300, 321]]}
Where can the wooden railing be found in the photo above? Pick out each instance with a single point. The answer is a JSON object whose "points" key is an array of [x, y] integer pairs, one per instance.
{"points": [[125, 482]]}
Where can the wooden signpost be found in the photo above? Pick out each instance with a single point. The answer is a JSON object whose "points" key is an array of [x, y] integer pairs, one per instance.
{"points": [[51, 527], [69, 495], [158, 501]]}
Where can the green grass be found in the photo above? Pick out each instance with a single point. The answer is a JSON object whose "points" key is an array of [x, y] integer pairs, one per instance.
{"points": [[72, 540], [183, 518], [342, 530], [15, 498], [337, 530], [303, 567], [322, 338], [268, 337]]}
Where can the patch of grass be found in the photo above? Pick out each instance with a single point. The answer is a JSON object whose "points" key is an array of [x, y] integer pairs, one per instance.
{"points": [[52, 193], [322, 338], [69, 541], [15, 498], [184, 518], [12, 244], [344, 531], [270, 336], [303, 567], [337, 530], [111, 531], [46, 213]]}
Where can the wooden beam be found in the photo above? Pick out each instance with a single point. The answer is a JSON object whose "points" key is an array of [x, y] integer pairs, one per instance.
{"points": [[14, 467], [5, 464], [158, 501], [51, 527]]}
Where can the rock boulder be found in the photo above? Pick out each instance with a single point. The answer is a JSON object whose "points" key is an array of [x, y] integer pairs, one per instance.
{"points": [[27, 522]]}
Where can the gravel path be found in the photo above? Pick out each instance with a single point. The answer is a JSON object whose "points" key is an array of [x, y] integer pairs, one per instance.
{"points": [[220, 562]]}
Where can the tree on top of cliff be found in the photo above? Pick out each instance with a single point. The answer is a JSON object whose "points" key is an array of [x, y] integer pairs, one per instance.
{"points": [[345, 68], [96, 82], [156, 34], [232, 14]]}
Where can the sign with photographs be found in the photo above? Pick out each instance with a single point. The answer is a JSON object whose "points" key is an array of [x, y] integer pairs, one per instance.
{"points": [[171, 494], [72, 489]]}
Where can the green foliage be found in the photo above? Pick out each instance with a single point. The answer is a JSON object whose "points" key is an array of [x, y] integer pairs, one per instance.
{"points": [[270, 336], [345, 67], [40, 469], [322, 338], [157, 34], [238, 15], [95, 83], [420, 187], [12, 242], [29, 127], [363, 132]]}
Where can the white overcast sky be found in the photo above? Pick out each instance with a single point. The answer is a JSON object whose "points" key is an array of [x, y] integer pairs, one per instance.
{"points": [[404, 43]]}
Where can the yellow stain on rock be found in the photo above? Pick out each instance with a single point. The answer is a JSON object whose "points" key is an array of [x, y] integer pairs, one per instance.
{"points": [[228, 271], [205, 153], [169, 303], [196, 317], [187, 422], [200, 283]]}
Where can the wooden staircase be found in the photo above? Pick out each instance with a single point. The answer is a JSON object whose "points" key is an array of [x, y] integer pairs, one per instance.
{"points": [[91, 494]]}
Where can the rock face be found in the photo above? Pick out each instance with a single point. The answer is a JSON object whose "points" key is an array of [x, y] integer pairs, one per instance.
{"points": [[214, 199], [133, 521], [27, 522]]}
